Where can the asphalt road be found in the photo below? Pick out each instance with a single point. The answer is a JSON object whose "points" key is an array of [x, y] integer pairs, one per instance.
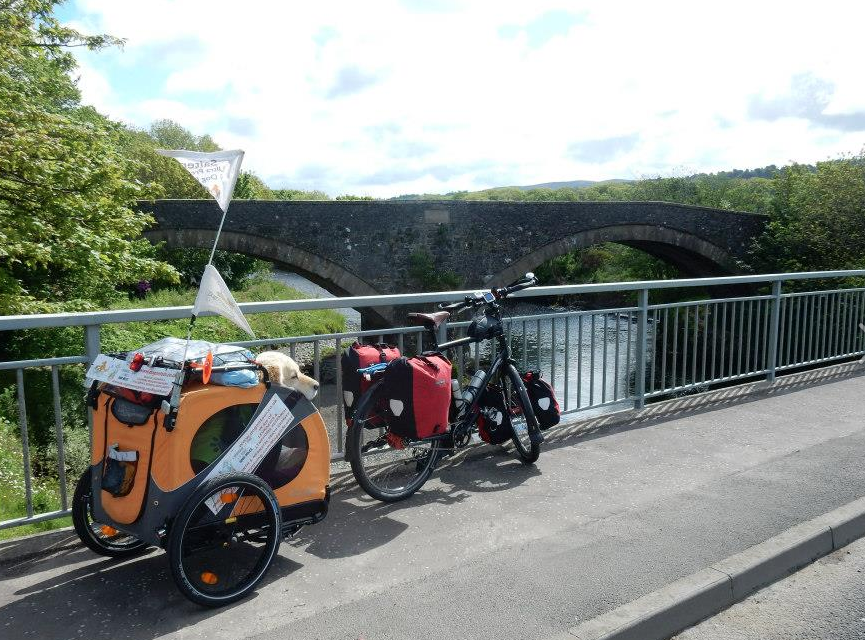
{"points": [[491, 548], [825, 600]]}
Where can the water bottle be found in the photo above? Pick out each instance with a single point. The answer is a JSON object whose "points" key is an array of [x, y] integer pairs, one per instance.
{"points": [[474, 387], [457, 393]]}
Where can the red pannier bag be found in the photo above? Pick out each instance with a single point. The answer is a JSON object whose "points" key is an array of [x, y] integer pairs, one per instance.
{"points": [[416, 395], [357, 356], [543, 398]]}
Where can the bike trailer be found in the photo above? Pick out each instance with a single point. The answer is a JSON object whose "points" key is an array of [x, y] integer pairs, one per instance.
{"points": [[148, 483], [359, 356], [416, 394], [543, 399]]}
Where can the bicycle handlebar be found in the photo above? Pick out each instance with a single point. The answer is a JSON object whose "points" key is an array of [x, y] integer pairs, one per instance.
{"points": [[480, 297]]}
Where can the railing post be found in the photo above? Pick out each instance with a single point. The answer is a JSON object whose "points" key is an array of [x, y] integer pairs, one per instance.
{"points": [[92, 348], [25, 442], [774, 325], [640, 348], [442, 332], [92, 342]]}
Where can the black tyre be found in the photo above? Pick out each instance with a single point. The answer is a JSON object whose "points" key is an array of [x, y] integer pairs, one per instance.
{"points": [[224, 539], [522, 417], [100, 538], [382, 469]]}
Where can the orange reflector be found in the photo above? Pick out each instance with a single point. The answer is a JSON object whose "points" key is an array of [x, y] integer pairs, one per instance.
{"points": [[228, 498], [108, 531], [209, 578]]}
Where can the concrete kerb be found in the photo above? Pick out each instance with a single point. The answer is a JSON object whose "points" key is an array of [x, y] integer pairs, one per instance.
{"points": [[687, 601]]}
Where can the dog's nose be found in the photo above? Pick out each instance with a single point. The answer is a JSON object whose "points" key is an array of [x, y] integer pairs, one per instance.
{"points": [[315, 387]]}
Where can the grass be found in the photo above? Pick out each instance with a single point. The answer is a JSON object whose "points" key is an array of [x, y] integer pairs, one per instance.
{"points": [[121, 337], [46, 491]]}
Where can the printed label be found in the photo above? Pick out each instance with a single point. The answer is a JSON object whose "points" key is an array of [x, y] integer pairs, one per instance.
{"points": [[155, 380], [247, 452]]}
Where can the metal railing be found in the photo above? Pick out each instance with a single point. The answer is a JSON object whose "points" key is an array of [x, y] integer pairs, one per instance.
{"points": [[597, 360]]}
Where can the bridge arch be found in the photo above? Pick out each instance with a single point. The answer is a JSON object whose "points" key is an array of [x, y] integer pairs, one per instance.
{"points": [[693, 256], [323, 272]]}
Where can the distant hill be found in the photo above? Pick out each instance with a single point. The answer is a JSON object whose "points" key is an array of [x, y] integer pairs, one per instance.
{"points": [[573, 184], [734, 174]]}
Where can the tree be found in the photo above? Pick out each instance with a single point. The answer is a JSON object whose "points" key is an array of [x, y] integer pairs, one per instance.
{"points": [[250, 187], [297, 194], [69, 231], [817, 218], [167, 134]]}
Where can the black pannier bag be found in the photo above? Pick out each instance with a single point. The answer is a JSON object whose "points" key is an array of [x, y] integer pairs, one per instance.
{"points": [[543, 399], [358, 356], [494, 421], [416, 395]]}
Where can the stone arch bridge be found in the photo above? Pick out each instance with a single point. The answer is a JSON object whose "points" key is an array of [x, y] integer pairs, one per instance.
{"points": [[355, 248]]}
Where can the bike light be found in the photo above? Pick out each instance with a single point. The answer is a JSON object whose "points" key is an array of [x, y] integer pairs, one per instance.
{"points": [[208, 577], [107, 531]]}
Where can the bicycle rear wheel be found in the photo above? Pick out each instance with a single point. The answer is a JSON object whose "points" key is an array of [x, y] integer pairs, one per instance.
{"points": [[387, 468], [522, 416]]}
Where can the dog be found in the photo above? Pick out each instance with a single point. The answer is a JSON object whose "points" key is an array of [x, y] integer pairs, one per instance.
{"points": [[284, 371]]}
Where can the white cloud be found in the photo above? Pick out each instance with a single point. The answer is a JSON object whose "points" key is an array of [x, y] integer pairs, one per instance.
{"points": [[393, 97]]}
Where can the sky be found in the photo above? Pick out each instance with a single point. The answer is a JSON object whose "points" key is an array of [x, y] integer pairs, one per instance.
{"points": [[389, 97]]}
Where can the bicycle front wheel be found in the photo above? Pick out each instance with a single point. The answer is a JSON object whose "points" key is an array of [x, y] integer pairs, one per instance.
{"points": [[387, 468], [522, 417]]}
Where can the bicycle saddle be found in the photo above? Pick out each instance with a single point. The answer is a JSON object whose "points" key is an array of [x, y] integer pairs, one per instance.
{"points": [[428, 319]]}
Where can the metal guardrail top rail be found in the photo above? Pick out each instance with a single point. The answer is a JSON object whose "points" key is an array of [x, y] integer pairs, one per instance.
{"points": [[10, 323]]}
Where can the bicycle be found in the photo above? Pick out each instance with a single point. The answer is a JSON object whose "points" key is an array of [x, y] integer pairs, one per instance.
{"points": [[390, 468]]}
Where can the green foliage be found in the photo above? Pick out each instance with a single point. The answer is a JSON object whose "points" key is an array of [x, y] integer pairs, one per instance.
{"points": [[351, 197], [168, 134], [235, 268], [69, 233], [608, 262], [250, 187], [163, 177], [817, 218], [425, 271], [296, 194], [46, 491], [709, 190], [122, 337]]}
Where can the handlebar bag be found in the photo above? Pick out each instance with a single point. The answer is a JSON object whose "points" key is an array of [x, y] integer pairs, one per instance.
{"points": [[494, 421], [416, 395], [357, 356], [543, 399]]}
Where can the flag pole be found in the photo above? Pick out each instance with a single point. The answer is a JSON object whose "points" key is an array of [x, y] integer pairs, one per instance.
{"points": [[178, 381], [218, 231], [173, 404]]}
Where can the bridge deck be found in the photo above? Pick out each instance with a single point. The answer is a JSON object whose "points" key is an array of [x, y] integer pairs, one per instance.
{"points": [[492, 549]]}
